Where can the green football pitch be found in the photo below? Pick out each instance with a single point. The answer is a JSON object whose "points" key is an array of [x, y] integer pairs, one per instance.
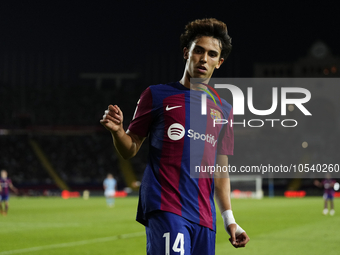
{"points": [[76, 226]]}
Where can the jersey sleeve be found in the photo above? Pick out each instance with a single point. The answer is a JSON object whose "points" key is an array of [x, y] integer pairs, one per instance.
{"points": [[142, 118], [226, 139]]}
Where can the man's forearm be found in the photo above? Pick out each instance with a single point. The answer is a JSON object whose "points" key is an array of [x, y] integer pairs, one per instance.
{"points": [[222, 185], [125, 144], [14, 189], [222, 193]]}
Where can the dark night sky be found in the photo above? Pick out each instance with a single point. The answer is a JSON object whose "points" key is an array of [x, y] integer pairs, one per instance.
{"points": [[115, 36]]}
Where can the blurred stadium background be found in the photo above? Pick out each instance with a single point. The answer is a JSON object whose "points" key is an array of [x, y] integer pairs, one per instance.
{"points": [[61, 66]]}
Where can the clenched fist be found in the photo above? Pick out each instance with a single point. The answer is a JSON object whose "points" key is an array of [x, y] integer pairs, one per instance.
{"points": [[112, 119]]}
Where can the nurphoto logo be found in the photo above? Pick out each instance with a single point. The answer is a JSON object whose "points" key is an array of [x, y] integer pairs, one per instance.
{"points": [[239, 105]]}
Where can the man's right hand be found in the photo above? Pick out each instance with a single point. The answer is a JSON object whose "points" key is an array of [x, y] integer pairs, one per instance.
{"points": [[237, 241], [112, 119]]}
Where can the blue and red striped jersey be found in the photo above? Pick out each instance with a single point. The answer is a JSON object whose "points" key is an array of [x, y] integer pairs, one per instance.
{"points": [[180, 138], [328, 185], [5, 183]]}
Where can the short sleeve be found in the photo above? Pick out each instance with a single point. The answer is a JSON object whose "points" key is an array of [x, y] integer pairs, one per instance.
{"points": [[226, 138], [142, 118]]}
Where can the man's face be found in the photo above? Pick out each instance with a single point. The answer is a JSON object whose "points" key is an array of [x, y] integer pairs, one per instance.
{"points": [[203, 57], [3, 174]]}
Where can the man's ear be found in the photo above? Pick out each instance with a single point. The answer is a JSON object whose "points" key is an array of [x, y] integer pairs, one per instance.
{"points": [[185, 53], [220, 62]]}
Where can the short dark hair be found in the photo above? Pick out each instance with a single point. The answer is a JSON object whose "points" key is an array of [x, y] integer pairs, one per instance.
{"points": [[207, 27]]}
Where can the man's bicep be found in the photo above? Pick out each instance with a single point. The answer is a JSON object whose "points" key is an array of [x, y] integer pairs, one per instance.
{"points": [[222, 161]]}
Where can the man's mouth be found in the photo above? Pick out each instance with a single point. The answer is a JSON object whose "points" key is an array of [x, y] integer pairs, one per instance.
{"points": [[202, 69]]}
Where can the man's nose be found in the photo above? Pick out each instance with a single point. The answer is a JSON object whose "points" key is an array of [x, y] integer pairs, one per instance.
{"points": [[204, 57]]}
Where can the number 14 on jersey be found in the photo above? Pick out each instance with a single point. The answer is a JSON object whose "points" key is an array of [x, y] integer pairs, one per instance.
{"points": [[178, 245]]}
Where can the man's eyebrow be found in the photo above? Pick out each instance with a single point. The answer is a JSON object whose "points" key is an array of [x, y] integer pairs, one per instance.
{"points": [[198, 46]]}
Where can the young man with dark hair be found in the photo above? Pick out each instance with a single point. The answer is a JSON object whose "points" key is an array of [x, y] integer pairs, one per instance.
{"points": [[178, 211]]}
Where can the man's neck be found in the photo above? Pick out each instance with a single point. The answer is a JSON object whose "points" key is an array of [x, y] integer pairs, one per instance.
{"points": [[185, 81]]}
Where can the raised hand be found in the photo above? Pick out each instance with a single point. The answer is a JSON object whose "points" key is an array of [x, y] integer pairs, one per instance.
{"points": [[112, 119]]}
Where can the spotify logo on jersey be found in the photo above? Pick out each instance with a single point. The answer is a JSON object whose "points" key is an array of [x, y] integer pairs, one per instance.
{"points": [[176, 131]]}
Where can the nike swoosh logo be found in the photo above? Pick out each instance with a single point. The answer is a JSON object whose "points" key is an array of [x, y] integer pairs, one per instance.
{"points": [[170, 108]]}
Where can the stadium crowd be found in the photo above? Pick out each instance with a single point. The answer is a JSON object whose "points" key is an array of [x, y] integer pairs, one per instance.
{"points": [[46, 116]]}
